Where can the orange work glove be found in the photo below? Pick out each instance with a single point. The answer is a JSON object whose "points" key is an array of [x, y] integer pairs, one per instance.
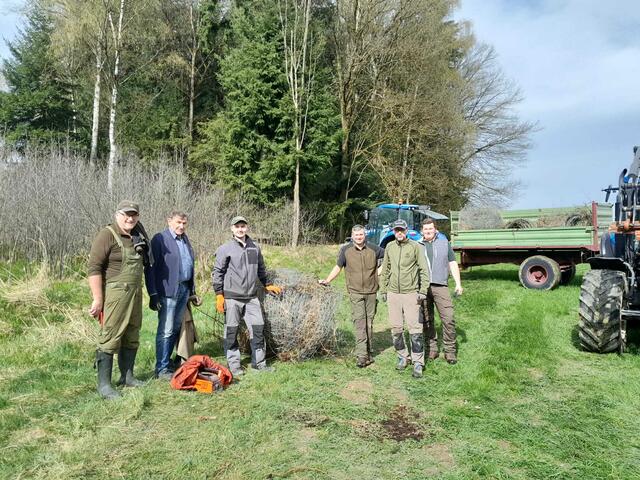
{"points": [[273, 289], [220, 303]]}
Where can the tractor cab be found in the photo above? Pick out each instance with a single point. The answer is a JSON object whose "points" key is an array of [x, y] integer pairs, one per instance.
{"points": [[380, 218]]}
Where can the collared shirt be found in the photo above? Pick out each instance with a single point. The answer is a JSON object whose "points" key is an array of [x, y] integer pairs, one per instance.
{"points": [[186, 262]]}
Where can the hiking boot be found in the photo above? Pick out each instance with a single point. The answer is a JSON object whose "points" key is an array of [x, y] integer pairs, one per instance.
{"points": [[417, 370], [165, 375], [402, 363], [433, 356], [451, 358], [264, 368], [104, 364], [126, 359], [237, 373]]}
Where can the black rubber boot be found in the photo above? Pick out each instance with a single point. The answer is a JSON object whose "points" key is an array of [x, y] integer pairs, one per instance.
{"points": [[126, 359], [104, 363]]}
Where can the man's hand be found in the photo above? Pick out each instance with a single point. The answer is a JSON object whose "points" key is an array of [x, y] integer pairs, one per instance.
{"points": [[96, 308], [154, 303], [220, 303], [195, 300], [323, 282], [273, 289], [383, 297], [421, 297], [459, 290]]}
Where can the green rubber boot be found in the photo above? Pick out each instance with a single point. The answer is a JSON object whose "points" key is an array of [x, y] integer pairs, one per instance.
{"points": [[104, 363], [126, 359]]}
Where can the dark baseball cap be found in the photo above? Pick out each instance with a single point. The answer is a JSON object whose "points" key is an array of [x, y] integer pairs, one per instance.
{"points": [[128, 206], [238, 219], [399, 225]]}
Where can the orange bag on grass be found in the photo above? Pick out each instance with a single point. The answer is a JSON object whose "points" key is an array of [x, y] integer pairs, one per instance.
{"points": [[203, 374]]}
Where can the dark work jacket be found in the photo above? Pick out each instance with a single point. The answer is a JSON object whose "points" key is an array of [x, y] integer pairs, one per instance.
{"points": [[165, 272]]}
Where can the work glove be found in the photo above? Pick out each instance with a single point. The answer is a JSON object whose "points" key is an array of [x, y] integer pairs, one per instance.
{"points": [[383, 297], [195, 300], [154, 303], [220, 303], [421, 297], [273, 289]]}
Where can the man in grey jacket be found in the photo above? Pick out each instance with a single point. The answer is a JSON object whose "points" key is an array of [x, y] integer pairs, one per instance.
{"points": [[239, 264]]}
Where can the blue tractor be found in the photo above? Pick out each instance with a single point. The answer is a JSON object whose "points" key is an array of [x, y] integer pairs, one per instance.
{"points": [[380, 218]]}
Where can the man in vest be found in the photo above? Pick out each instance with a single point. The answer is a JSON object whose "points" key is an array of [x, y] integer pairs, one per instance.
{"points": [[170, 285], [441, 261], [404, 282], [360, 261], [238, 266], [119, 256]]}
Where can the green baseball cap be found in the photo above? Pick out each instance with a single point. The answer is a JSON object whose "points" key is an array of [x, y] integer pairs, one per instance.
{"points": [[128, 206], [238, 219]]}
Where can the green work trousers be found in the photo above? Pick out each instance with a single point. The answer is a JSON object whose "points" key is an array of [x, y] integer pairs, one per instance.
{"points": [[363, 309], [123, 306]]}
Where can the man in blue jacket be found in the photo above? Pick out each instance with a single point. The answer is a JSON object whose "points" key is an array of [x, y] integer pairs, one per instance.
{"points": [[171, 284]]}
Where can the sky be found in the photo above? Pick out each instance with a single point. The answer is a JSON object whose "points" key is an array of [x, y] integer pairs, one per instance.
{"points": [[577, 63]]}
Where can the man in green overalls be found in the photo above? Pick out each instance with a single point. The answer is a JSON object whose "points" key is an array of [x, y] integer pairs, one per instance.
{"points": [[116, 267]]}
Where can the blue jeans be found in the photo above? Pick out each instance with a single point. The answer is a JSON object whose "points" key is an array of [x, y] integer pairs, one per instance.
{"points": [[169, 323]]}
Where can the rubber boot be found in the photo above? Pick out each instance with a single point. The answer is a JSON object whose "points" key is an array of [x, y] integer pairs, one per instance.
{"points": [[104, 363], [126, 359]]}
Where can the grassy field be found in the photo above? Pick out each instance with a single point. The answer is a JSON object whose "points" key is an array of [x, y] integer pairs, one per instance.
{"points": [[523, 402]]}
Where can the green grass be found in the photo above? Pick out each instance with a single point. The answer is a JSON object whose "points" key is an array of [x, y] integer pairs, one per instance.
{"points": [[524, 402]]}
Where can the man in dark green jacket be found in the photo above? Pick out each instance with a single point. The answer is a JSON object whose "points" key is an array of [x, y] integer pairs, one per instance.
{"points": [[360, 261], [404, 282]]}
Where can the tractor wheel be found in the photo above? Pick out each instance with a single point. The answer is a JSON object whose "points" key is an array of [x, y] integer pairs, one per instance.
{"points": [[602, 296], [539, 272], [567, 275]]}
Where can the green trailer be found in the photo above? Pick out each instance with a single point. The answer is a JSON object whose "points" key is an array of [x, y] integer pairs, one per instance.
{"points": [[547, 255]]}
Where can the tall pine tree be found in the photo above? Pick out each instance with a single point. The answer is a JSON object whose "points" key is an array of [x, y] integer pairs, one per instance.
{"points": [[39, 104]]}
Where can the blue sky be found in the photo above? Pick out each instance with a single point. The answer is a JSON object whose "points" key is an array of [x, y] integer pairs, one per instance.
{"points": [[577, 63]]}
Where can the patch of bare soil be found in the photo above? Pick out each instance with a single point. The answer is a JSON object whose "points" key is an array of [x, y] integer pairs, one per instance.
{"points": [[357, 391], [401, 425], [309, 419], [440, 453]]}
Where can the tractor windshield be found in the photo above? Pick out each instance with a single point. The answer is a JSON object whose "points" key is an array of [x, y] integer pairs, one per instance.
{"points": [[382, 217]]}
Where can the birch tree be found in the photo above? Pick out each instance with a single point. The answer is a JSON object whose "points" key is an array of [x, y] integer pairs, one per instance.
{"points": [[299, 63], [116, 34]]}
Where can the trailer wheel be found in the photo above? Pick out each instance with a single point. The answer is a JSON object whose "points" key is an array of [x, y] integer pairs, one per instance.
{"points": [[567, 275], [601, 298], [539, 272]]}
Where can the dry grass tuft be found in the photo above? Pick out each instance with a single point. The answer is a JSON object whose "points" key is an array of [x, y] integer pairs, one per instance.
{"points": [[28, 291]]}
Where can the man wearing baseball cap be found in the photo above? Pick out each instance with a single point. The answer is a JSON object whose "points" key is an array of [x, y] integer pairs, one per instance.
{"points": [[239, 263], [404, 282], [119, 255]]}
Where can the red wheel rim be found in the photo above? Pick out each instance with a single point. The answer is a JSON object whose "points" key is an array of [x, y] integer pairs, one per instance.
{"points": [[537, 275]]}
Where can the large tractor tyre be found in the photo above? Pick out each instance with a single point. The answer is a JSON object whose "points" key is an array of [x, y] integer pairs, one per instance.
{"points": [[567, 275], [539, 272], [601, 300]]}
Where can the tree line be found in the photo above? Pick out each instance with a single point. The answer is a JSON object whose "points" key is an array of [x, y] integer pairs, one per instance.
{"points": [[335, 104]]}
